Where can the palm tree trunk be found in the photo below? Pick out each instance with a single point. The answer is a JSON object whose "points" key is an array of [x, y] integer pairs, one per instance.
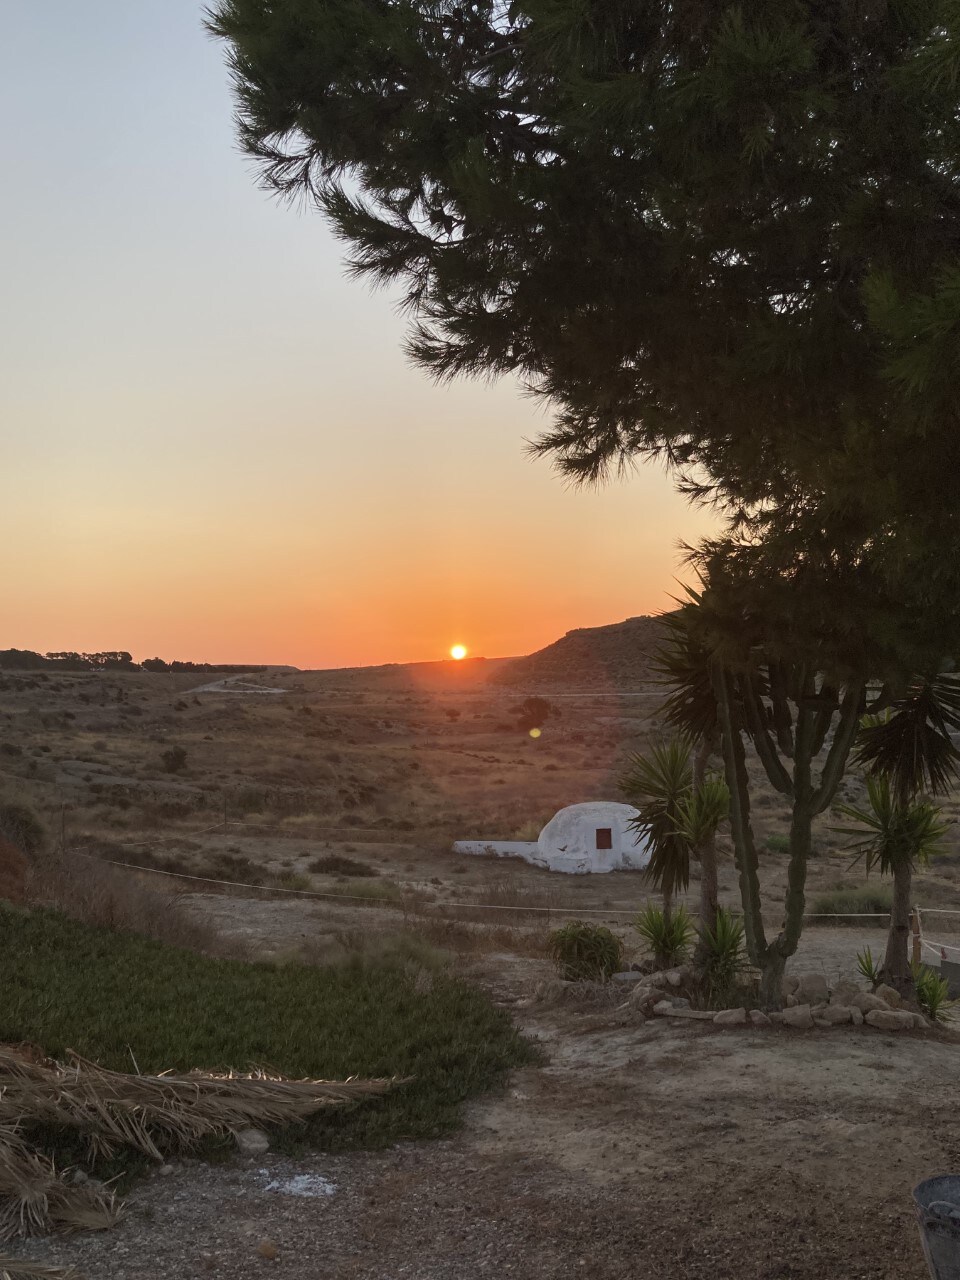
{"points": [[896, 962], [709, 895]]}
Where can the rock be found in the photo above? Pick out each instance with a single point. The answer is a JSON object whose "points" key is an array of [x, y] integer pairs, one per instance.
{"points": [[790, 985], [845, 993], [759, 1018], [865, 1002], [890, 1019], [628, 975], [78, 1178], [166, 1170], [662, 1008], [856, 1017], [920, 1022], [889, 995], [267, 1249], [731, 1018], [252, 1142], [817, 1010], [835, 1015], [676, 1010], [813, 989], [674, 977], [791, 1002], [798, 1016], [775, 1016]]}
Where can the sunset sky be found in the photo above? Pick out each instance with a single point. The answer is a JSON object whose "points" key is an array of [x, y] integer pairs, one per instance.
{"points": [[213, 447]]}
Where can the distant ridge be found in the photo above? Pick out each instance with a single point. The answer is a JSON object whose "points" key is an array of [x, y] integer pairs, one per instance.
{"points": [[617, 656]]}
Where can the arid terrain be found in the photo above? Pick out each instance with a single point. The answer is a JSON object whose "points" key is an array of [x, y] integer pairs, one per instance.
{"points": [[666, 1149]]}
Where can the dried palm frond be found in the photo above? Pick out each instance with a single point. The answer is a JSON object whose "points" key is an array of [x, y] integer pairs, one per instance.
{"points": [[34, 1199], [156, 1113], [14, 1269]]}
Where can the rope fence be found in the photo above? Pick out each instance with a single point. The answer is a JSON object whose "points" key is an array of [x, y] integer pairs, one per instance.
{"points": [[408, 901]]}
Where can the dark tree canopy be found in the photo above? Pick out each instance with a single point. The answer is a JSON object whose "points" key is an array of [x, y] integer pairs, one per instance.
{"points": [[726, 236]]}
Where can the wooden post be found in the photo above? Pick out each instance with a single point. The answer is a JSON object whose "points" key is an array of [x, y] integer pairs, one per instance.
{"points": [[915, 931]]}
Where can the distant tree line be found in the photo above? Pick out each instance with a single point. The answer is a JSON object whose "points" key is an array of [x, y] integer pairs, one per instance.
{"points": [[109, 660], [234, 668], [27, 660]]}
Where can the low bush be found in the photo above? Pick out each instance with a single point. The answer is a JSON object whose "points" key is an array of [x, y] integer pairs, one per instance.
{"points": [[583, 951], [337, 864], [114, 997], [852, 906], [869, 968], [667, 937], [777, 844], [21, 826], [174, 759]]}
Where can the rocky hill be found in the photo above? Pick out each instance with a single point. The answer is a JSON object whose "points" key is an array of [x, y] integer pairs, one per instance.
{"points": [[617, 656]]}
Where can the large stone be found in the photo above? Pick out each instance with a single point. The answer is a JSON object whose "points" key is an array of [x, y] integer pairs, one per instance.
{"points": [[674, 977], [731, 1018], [866, 1002], [813, 989], [845, 993], [835, 1015], [790, 984], [759, 1018], [856, 1017], [920, 1022], [799, 1017], [890, 996], [890, 1019], [252, 1142], [627, 976], [662, 1008], [791, 1002], [775, 1016]]}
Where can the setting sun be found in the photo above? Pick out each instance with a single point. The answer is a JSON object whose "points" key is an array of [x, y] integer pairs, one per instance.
{"points": [[458, 651]]}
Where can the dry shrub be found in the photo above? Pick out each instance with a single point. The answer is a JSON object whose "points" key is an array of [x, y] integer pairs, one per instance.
{"points": [[13, 871], [96, 894]]}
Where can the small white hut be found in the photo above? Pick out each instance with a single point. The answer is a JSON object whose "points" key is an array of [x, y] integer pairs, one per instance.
{"points": [[579, 840]]}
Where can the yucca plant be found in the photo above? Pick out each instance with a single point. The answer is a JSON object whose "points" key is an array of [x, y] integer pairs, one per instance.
{"points": [[585, 952], [871, 969], [723, 953], [658, 785], [932, 993], [698, 820], [668, 937], [895, 836]]}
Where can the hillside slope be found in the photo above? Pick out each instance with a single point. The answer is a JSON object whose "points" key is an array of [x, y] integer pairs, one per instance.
{"points": [[616, 657]]}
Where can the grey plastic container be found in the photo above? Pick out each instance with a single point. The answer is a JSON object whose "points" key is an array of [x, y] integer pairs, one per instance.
{"points": [[937, 1206]]}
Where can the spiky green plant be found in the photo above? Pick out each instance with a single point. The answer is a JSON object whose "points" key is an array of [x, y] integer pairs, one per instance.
{"points": [[932, 993], [668, 937], [723, 954], [870, 969], [585, 952], [658, 785]]}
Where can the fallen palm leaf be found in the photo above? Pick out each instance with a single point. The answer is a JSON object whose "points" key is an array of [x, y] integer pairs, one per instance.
{"points": [[34, 1198], [12, 1269], [156, 1113]]}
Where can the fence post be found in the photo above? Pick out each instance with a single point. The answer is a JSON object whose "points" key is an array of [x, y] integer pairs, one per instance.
{"points": [[915, 930]]}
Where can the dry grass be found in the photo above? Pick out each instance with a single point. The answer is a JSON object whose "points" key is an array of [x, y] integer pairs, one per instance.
{"points": [[96, 894]]}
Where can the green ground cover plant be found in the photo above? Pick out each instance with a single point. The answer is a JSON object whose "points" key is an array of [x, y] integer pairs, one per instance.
{"points": [[130, 1003], [847, 904]]}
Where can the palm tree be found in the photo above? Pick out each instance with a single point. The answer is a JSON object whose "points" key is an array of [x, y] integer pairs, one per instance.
{"points": [[679, 820], [895, 837], [658, 785], [700, 816], [907, 751]]}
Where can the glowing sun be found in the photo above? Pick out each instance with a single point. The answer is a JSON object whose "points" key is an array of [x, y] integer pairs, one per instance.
{"points": [[458, 651]]}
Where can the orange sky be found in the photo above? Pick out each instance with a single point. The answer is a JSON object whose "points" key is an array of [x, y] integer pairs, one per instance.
{"points": [[214, 449]]}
